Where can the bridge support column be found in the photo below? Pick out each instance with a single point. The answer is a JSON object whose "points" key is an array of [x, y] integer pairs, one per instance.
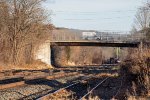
{"points": [[118, 52], [52, 57]]}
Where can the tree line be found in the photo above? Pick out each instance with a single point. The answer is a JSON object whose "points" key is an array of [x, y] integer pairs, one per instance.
{"points": [[23, 26], [135, 69], [142, 20]]}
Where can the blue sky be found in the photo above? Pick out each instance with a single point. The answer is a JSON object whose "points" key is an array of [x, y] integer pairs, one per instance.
{"points": [[101, 15]]}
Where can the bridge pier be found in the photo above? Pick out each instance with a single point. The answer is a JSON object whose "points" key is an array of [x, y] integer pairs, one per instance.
{"points": [[118, 52], [52, 55]]}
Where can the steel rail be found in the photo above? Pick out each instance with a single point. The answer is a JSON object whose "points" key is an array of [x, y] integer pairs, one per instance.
{"points": [[56, 91], [43, 97], [93, 88]]}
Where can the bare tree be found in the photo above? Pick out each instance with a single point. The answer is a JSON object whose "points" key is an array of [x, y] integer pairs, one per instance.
{"points": [[65, 56], [23, 27], [142, 19]]}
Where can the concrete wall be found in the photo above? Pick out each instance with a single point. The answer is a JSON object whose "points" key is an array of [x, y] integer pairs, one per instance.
{"points": [[44, 53]]}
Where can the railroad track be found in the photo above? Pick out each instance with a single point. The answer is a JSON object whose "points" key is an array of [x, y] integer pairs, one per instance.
{"points": [[93, 88], [47, 92], [19, 81], [43, 93], [47, 96]]}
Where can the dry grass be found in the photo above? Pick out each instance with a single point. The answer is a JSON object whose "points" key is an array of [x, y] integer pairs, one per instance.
{"points": [[92, 98], [135, 72], [136, 98], [106, 75], [36, 65], [61, 95]]}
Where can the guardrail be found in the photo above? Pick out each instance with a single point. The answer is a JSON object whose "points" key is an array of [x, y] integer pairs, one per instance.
{"points": [[103, 39]]}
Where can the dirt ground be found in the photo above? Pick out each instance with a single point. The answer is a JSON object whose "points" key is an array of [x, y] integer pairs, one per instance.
{"points": [[111, 89]]}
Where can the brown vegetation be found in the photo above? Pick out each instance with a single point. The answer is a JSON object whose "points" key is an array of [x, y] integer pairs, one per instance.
{"points": [[22, 29], [135, 69], [143, 17], [77, 56], [135, 72]]}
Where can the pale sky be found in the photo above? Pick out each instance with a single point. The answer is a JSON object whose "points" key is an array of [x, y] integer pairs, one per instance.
{"points": [[101, 15]]}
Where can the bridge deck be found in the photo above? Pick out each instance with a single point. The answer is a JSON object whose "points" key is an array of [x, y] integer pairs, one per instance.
{"points": [[102, 44]]}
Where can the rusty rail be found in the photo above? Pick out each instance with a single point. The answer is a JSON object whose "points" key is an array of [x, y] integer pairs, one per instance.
{"points": [[23, 82]]}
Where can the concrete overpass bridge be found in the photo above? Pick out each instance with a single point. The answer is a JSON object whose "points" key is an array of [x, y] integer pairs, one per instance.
{"points": [[95, 44], [46, 52], [104, 41]]}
